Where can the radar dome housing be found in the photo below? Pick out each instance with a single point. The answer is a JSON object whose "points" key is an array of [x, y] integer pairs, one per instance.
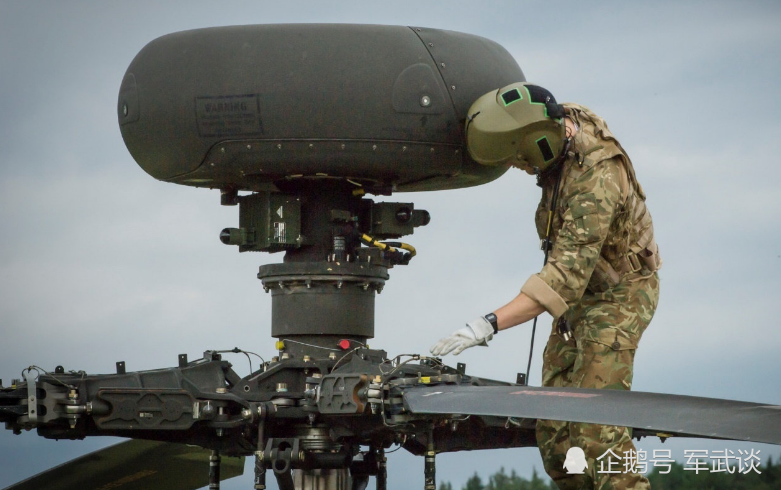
{"points": [[246, 107]]}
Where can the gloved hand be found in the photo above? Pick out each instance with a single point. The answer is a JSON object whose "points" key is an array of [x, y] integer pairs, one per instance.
{"points": [[477, 332]]}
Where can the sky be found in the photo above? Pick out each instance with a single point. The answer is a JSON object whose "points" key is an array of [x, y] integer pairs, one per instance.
{"points": [[100, 262]]}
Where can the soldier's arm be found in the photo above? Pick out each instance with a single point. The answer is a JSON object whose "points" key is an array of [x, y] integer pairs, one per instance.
{"points": [[591, 203]]}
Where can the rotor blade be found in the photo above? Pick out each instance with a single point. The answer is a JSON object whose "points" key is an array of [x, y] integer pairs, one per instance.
{"points": [[670, 414], [134, 465]]}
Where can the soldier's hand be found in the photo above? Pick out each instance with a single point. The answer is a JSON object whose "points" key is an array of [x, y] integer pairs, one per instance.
{"points": [[477, 332]]}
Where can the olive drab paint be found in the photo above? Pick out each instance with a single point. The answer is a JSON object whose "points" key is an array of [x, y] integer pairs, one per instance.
{"points": [[244, 107]]}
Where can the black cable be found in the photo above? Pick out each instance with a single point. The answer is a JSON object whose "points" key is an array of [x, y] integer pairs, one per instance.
{"points": [[547, 244], [236, 350]]}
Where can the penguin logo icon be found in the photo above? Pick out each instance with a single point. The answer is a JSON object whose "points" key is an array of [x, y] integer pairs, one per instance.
{"points": [[575, 462]]}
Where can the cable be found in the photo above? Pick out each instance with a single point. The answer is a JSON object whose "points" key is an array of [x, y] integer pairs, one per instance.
{"points": [[40, 370], [546, 242], [313, 345], [345, 355], [236, 350], [396, 256]]}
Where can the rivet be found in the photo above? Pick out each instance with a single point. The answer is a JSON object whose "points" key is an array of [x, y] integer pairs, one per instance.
{"points": [[311, 146], [124, 109], [374, 147], [211, 164], [222, 150], [452, 87], [249, 147], [425, 101], [442, 65], [279, 147], [403, 148], [430, 45], [343, 146]]}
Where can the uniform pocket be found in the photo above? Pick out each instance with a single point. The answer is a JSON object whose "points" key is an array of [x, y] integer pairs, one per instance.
{"points": [[585, 218], [614, 338], [603, 278]]}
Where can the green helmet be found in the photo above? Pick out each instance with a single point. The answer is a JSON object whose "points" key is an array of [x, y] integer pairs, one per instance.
{"points": [[520, 124]]}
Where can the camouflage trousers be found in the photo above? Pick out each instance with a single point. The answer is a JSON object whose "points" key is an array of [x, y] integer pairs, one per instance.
{"points": [[607, 328]]}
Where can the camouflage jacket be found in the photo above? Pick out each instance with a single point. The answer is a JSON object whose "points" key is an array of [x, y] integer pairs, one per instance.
{"points": [[601, 229]]}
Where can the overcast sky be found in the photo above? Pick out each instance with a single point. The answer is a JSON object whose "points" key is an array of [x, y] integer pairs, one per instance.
{"points": [[99, 262]]}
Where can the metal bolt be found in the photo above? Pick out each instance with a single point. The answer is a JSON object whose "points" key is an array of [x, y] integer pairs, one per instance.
{"points": [[285, 356], [281, 387], [279, 147], [442, 65], [430, 45], [222, 390], [211, 164], [275, 359], [425, 101], [307, 358], [332, 356], [311, 145], [246, 414], [266, 288], [249, 147], [222, 150], [374, 147], [452, 87], [343, 146], [124, 109], [404, 148]]}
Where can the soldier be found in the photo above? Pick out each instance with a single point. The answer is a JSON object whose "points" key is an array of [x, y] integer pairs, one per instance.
{"points": [[599, 282]]}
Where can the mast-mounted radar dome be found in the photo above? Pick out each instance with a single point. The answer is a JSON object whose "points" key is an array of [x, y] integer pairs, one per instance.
{"points": [[246, 107]]}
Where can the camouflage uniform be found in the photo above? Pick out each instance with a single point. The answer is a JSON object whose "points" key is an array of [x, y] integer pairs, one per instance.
{"points": [[601, 276]]}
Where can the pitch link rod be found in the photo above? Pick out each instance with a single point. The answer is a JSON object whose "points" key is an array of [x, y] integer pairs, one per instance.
{"points": [[214, 470], [430, 468]]}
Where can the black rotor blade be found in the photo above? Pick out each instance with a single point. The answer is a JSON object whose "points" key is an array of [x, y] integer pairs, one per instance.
{"points": [[134, 465], [655, 412]]}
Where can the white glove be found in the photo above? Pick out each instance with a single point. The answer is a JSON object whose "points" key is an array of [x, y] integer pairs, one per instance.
{"points": [[477, 332]]}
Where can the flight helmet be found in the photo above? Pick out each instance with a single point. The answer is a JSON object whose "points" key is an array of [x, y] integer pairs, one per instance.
{"points": [[520, 124]]}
